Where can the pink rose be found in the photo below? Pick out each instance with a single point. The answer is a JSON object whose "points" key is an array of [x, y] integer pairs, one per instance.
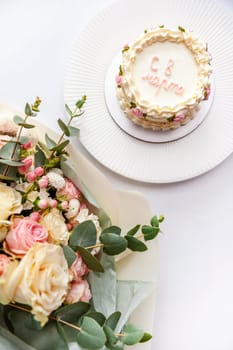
{"points": [[137, 112], [79, 268], [118, 79], [24, 234], [43, 182], [4, 261], [207, 92], [27, 163], [69, 191], [79, 291], [179, 117]]}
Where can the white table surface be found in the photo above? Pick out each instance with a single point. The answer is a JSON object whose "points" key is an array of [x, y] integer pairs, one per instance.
{"points": [[195, 273]]}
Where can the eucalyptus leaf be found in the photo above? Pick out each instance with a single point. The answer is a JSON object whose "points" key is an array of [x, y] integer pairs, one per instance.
{"points": [[69, 254], [10, 162], [81, 102], [133, 335], [63, 127], [73, 131], [44, 148], [91, 335], [113, 320], [97, 316], [113, 243], [9, 341], [146, 337], [135, 244], [60, 147], [17, 119], [49, 142], [83, 235], [154, 221], [68, 110], [28, 110], [7, 178], [61, 332], [27, 126], [39, 157], [150, 232], [91, 261], [7, 150], [133, 230], [112, 229], [111, 338], [72, 312]]}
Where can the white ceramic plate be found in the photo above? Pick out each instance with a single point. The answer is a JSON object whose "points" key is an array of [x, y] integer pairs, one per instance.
{"points": [[131, 266], [208, 145]]}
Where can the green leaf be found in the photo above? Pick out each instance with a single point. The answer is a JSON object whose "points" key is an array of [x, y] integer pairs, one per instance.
{"points": [[154, 221], [91, 335], [49, 142], [60, 147], [61, 332], [135, 244], [69, 254], [63, 127], [161, 218], [113, 319], [111, 338], [7, 150], [97, 316], [83, 235], [113, 243], [18, 120], [10, 162], [181, 29], [28, 110], [133, 230], [81, 102], [150, 232], [73, 131], [112, 229], [146, 337], [39, 157], [27, 126], [133, 335], [44, 148], [72, 312], [31, 323], [68, 110], [90, 260]]}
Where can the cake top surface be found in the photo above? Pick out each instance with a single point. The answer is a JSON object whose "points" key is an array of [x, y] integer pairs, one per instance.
{"points": [[166, 69]]}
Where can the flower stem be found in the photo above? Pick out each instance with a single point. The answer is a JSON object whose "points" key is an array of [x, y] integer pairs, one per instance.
{"points": [[98, 245]]}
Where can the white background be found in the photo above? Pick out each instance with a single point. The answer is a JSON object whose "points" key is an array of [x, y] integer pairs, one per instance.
{"points": [[195, 272]]}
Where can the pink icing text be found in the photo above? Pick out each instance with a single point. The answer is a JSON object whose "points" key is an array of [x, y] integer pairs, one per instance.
{"points": [[163, 84]]}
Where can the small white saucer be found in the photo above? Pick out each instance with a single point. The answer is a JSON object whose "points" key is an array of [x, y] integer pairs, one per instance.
{"points": [[139, 132]]}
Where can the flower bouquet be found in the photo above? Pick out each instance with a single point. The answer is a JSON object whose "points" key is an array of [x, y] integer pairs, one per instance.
{"points": [[61, 286]]}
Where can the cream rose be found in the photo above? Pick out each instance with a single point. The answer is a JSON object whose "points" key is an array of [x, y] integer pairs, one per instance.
{"points": [[10, 201], [54, 222], [40, 280]]}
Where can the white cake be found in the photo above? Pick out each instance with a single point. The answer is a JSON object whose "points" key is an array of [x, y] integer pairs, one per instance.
{"points": [[164, 76]]}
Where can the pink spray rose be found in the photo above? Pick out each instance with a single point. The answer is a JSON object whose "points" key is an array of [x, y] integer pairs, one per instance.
{"points": [[79, 291], [79, 268], [179, 117], [69, 191], [137, 112], [4, 261], [118, 79], [24, 234], [27, 163]]}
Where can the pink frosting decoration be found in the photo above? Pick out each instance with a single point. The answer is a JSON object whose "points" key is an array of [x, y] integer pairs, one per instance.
{"points": [[153, 61], [24, 234], [79, 291], [4, 261], [207, 92], [179, 117], [169, 67], [118, 79], [137, 112]]}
